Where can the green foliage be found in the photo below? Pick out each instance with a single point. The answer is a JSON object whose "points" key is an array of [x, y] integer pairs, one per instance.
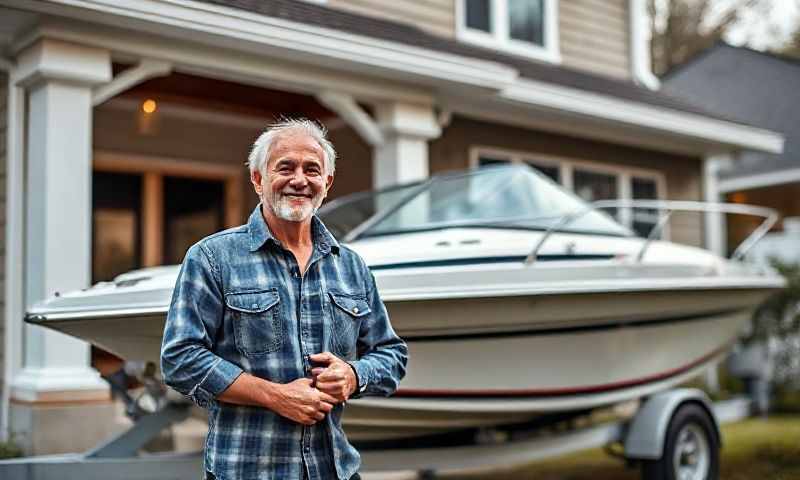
{"points": [[779, 316], [9, 450], [792, 47], [776, 323]]}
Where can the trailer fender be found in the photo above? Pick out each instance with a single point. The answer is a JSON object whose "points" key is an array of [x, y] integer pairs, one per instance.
{"points": [[645, 435]]}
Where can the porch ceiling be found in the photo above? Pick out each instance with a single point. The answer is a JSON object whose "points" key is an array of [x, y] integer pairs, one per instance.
{"points": [[229, 97]]}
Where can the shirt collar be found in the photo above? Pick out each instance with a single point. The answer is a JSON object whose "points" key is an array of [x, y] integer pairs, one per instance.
{"points": [[261, 234]]}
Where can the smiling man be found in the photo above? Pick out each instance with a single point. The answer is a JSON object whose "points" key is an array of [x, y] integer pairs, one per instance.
{"points": [[274, 325]]}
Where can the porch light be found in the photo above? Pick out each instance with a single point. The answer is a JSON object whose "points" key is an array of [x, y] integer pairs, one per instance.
{"points": [[739, 197], [149, 106]]}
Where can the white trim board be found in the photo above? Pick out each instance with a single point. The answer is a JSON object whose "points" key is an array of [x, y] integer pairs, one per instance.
{"points": [[790, 175]]}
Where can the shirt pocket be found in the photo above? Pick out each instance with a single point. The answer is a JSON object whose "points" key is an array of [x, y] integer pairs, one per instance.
{"points": [[348, 312], [257, 325]]}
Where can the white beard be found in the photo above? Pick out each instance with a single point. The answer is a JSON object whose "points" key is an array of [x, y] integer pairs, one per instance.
{"points": [[281, 206]]}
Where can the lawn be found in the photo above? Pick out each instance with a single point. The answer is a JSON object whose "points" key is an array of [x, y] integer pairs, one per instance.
{"points": [[755, 449]]}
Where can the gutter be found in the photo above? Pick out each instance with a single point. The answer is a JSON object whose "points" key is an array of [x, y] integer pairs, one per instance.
{"points": [[539, 94]]}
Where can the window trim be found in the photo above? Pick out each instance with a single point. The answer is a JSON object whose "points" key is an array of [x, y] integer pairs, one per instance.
{"points": [[153, 169], [624, 174], [498, 38]]}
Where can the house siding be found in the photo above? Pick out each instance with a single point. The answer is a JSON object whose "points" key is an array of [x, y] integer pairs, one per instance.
{"points": [[3, 149], [434, 16], [595, 36], [682, 174]]}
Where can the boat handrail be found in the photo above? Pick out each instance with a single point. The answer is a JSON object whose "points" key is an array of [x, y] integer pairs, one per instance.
{"points": [[667, 207]]}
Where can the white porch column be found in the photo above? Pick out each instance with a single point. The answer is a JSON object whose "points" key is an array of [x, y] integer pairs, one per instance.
{"points": [[403, 156], [58, 78], [714, 224]]}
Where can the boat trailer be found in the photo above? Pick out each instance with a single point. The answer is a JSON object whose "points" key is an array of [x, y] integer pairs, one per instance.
{"points": [[674, 430]]}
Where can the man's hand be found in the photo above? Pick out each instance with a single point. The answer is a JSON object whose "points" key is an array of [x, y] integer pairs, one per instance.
{"points": [[301, 402], [336, 378]]}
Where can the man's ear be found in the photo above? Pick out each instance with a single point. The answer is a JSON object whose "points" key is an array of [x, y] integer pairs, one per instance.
{"points": [[328, 184], [255, 179]]}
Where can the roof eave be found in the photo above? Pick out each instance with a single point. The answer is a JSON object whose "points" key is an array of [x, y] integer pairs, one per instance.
{"points": [[719, 134], [295, 39]]}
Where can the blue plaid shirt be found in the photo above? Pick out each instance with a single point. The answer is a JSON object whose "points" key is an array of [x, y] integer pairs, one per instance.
{"points": [[241, 304]]}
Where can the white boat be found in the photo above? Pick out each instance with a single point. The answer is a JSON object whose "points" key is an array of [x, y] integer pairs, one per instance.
{"points": [[516, 299]]}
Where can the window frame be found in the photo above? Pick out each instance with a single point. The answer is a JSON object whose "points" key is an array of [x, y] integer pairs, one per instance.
{"points": [[567, 165], [499, 39], [153, 169]]}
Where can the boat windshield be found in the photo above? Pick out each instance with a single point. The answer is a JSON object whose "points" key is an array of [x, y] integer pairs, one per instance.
{"points": [[496, 197]]}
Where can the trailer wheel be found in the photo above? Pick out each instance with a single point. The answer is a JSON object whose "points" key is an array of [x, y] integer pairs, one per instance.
{"points": [[691, 448]]}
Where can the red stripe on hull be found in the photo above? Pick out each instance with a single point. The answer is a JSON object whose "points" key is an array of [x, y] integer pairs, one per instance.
{"points": [[415, 392]]}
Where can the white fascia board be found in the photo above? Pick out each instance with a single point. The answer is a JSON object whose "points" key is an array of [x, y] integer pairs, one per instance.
{"points": [[299, 39], [699, 127], [759, 180]]}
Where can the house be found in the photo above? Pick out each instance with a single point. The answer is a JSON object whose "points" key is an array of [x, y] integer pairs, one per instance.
{"points": [[128, 123], [762, 89]]}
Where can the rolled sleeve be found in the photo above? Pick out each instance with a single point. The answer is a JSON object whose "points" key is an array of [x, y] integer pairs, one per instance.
{"points": [[188, 363], [219, 377]]}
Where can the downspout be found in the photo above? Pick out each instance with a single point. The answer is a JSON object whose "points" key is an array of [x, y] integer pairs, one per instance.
{"points": [[640, 61]]}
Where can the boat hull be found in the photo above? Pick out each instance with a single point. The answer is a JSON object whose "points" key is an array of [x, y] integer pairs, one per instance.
{"points": [[489, 361]]}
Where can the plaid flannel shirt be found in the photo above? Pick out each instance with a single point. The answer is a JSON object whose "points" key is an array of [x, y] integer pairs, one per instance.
{"points": [[241, 304]]}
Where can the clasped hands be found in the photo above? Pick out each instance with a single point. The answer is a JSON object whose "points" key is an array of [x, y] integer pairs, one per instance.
{"points": [[308, 400]]}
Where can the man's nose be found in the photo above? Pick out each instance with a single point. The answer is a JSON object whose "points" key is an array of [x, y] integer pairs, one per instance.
{"points": [[298, 178]]}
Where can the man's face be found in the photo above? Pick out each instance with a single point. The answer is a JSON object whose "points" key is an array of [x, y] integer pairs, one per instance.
{"points": [[295, 183]]}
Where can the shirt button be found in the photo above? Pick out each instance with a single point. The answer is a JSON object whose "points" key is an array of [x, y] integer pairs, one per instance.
{"points": [[355, 309]]}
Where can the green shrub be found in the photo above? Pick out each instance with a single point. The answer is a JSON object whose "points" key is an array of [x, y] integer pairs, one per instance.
{"points": [[9, 450]]}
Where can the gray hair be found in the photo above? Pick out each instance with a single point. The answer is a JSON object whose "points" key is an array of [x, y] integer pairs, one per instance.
{"points": [[257, 160]]}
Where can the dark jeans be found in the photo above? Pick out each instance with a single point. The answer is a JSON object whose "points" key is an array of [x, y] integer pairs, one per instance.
{"points": [[210, 476]]}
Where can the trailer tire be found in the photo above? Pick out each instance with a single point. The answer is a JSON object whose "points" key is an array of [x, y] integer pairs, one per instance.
{"points": [[691, 448]]}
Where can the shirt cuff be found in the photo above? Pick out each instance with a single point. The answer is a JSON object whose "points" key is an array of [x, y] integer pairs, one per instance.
{"points": [[219, 377], [362, 377]]}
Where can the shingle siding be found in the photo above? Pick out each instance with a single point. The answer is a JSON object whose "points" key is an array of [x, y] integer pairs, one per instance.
{"points": [[595, 36], [434, 16]]}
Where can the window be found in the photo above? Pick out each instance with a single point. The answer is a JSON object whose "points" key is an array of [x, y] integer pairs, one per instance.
{"points": [[549, 169], [521, 27], [592, 181], [148, 211]]}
